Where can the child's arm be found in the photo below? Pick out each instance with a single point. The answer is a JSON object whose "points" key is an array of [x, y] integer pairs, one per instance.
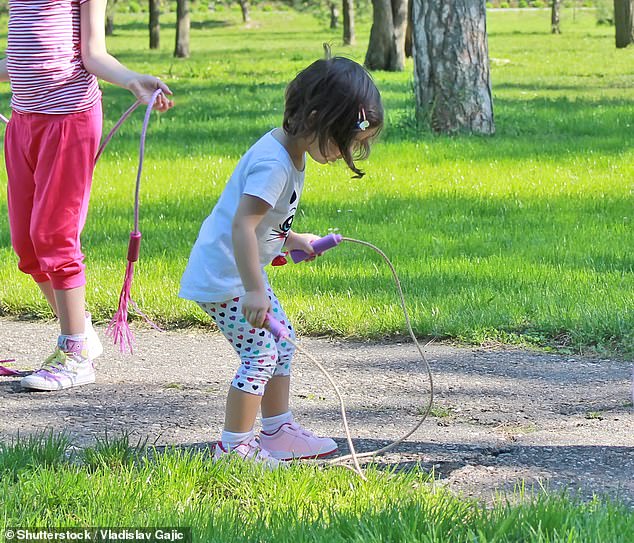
{"points": [[250, 213], [99, 62]]}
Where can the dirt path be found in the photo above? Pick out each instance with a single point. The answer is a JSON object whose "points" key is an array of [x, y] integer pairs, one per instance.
{"points": [[500, 415]]}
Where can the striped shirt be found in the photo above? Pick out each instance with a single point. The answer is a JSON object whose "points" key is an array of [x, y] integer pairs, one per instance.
{"points": [[44, 58]]}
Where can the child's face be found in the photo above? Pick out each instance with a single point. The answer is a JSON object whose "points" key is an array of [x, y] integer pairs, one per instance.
{"points": [[333, 153]]}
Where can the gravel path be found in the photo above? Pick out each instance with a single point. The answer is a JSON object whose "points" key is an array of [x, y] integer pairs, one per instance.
{"points": [[501, 416]]}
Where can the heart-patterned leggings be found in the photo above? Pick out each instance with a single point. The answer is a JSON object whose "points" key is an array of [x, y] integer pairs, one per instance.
{"points": [[261, 354]]}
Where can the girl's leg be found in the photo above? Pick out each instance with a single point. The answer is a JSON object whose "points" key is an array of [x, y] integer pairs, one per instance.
{"points": [[47, 289], [71, 310], [281, 436], [241, 412], [65, 148], [276, 396], [62, 150], [256, 349], [258, 354]]}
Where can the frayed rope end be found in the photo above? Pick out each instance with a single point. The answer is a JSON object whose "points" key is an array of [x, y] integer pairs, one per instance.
{"points": [[119, 329]]}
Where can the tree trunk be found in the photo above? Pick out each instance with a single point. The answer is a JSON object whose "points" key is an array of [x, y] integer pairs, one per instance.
{"points": [[182, 29], [109, 24], [154, 25], [244, 6], [110, 10], [451, 66], [349, 37], [334, 15], [409, 29], [623, 22], [554, 17], [386, 50]]}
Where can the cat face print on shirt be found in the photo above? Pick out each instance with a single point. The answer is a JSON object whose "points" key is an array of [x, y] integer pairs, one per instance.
{"points": [[282, 230]]}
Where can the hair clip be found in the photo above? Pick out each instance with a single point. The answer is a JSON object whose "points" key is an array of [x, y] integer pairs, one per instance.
{"points": [[363, 122]]}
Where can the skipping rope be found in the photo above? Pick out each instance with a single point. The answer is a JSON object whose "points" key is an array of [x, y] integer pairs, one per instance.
{"points": [[118, 328], [280, 331]]}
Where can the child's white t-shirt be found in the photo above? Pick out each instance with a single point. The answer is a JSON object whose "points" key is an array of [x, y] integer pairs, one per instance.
{"points": [[265, 171]]}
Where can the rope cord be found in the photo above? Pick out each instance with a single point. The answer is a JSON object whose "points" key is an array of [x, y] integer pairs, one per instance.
{"points": [[353, 455]]}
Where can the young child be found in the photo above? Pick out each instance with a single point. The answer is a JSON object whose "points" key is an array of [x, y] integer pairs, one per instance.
{"points": [[55, 52], [332, 111]]}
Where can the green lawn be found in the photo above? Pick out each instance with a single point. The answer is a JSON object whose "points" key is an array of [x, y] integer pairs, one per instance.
{"points": [[522, 237], [111, 485]]}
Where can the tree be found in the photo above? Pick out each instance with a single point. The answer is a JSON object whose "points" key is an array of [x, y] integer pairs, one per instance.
{"points": [[349, 37], [386, 50], [451, 66], [244, 7], [334, 15], [624, 22], [182, 29], [111, 8], [155, 27], [555, 16], [409, 31]]}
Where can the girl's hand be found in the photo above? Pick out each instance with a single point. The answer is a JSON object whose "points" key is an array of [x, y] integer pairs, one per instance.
{"points": [[301, 242], [143, 87], [255, 306]]}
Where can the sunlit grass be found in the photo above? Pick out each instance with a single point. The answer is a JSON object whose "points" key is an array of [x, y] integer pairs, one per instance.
{"points": [[522, 237], [227, 502]]}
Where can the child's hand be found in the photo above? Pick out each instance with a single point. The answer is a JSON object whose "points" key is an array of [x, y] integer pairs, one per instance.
{"points": [[143, 87], [255, 306], [301, 242]]}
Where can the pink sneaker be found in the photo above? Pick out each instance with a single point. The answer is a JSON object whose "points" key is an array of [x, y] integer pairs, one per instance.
{"points": [[251, 451], [291, 441]]}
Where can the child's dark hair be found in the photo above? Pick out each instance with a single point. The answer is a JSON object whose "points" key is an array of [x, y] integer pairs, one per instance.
{"points": [[331, 99]]}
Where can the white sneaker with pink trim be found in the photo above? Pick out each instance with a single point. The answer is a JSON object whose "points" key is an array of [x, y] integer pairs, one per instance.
{"points": [[61, 370], [94, 346], [291, 441], [251, 451]]}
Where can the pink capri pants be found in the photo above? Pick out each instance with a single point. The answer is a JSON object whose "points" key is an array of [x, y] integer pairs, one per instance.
{"points": [[50, 161]]}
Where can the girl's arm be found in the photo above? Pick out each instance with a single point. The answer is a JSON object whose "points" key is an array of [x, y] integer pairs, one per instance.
{"points": [[4, 74], [256, 303], [99, 62]]}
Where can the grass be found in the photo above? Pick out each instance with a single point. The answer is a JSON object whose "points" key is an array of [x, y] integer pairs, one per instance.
{"points": [[226, 502], [524, 237]]}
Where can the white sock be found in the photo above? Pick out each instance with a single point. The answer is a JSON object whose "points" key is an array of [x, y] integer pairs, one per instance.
{"points": [[63, 338], [230, 440], [270, 424]]}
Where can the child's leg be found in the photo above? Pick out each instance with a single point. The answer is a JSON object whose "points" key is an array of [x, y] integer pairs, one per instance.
{"points": [[50, 162], [71, 310], [60, 151], [257, 351], [258, 354], [49, 294], [276, 396], [21, 187], [241, 411], [65, 149], [281, 436]]}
